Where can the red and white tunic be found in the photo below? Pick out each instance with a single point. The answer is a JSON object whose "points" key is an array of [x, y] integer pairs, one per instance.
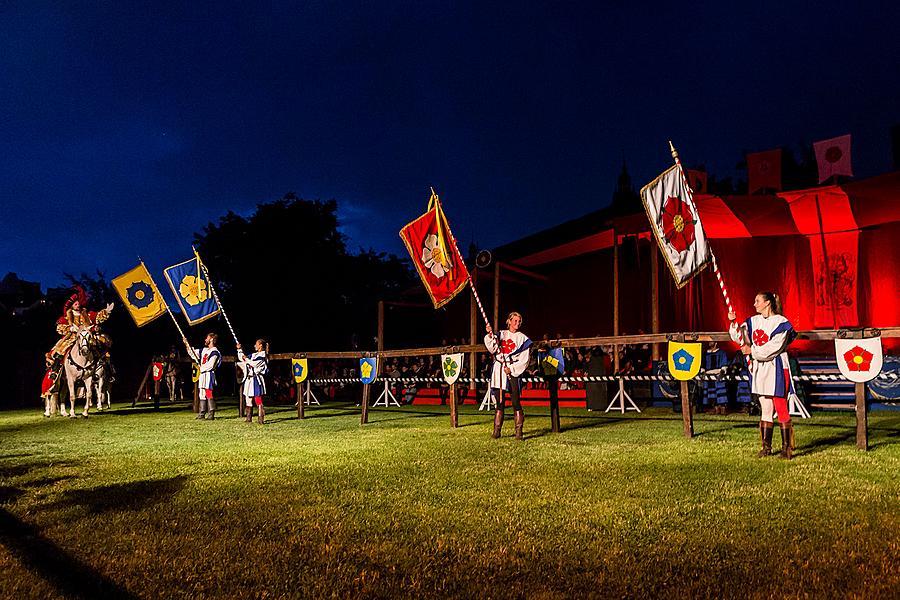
{"points": [[768, 337], [514, 349]]}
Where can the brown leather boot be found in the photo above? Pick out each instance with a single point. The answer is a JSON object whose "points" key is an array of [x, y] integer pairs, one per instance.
{"points": [[248, 411], [787, 440], [520, 421], [262, 415], [766, 428], [498, 423]]}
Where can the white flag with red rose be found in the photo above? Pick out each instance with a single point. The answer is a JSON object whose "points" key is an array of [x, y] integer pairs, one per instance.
{"points": [[676, 224], [859, 360]]}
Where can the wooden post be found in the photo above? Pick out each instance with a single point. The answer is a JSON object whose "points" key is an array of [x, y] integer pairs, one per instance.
{"points": [[497, 297], [687, 416], [616, 305], [364, 416], [473, 334], [451, 398], [197, 397], [144, 384], [299, 400], [380, 325], [654, 295], [862, 418]]}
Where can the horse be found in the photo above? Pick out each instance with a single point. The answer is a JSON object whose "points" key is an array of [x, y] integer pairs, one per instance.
{"points": [[80, 365], [102, 379]]}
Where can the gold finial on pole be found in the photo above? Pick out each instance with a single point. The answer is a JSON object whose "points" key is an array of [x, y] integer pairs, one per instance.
{"points": [[674, 152]]}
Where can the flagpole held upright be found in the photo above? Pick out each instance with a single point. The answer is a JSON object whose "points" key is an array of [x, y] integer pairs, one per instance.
{"points": [[215, 296], [715, 263]]}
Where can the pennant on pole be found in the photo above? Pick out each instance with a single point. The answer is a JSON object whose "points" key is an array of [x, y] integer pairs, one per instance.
{"points": [[428, 241], [833, 157], [192, 290], [676, 224], [764, 170], [140, 295]]}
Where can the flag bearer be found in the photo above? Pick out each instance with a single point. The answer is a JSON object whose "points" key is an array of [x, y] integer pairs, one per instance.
{"points": [[254, 386], [209, 359], [510, 350]]}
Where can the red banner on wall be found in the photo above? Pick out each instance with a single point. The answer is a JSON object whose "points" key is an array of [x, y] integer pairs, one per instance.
{"points": [[835, 279]]}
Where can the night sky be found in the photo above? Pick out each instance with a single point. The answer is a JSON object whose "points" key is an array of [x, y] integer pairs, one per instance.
{"points": [[126, 127]]}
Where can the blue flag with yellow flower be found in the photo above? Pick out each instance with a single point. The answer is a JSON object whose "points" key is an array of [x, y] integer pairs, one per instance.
{"points": [[139, 295], [192, 290]]}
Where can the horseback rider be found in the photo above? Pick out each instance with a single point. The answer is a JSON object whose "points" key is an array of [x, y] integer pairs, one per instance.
{"points": [[75, 316]]}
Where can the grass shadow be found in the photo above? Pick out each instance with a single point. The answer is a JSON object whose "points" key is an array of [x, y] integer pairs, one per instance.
{"points": [[135, 495], [72, 577]]}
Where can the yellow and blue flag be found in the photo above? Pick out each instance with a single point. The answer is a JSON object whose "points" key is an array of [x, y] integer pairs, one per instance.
{"points": [[140, 295], [685, 359], [192, 290]]}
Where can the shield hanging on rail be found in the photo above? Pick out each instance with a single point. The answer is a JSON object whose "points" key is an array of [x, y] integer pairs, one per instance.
{"points": [[195, 372], [859, 360], [367, 369], [157, 371], [451, 365], [299, 367], [685, 359]]}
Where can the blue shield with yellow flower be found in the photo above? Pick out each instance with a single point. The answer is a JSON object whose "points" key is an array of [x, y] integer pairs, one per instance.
{"points": [[685, 359], [368, 369], [192, 290]]}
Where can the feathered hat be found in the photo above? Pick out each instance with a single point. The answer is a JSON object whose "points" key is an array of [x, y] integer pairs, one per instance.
{"points": [[80, 296]]}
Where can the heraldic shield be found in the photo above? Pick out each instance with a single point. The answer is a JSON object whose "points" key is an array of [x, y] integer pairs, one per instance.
{"points": [[685, 359], [300, 368], [367, 369], [859, 360], [451, 365], [158, 370], [195, 372]]}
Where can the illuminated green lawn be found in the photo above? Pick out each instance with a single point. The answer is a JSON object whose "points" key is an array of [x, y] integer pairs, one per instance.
{"points": [[158, 505]]}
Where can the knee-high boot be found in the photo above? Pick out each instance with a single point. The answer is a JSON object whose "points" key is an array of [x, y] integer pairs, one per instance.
{"points": [[248, 412], [765, 433], [212, 409], [262, 415], [498, 423], [787, 440], [520, 421], [202, 412]]}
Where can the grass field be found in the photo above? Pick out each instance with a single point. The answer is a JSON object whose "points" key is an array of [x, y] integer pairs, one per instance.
{"points": [[137, 503]]}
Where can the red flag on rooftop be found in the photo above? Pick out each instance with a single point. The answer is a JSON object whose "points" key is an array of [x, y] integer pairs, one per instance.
{"points": [[697, 181], [833, 157], [764, 170], [433, 252]]}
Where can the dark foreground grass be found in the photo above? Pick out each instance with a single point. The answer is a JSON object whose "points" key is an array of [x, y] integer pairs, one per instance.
{"points": [[136, 503]]}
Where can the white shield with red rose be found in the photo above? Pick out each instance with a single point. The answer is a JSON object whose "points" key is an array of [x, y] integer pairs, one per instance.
{"points": [[859, 360]]}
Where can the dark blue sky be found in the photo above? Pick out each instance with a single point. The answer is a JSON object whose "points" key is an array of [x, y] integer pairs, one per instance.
{"points": [[125, 127]]}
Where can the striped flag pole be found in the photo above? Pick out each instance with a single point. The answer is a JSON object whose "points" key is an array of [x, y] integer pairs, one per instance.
{"points": [[715, 264], [216, 296], [459, 255]]}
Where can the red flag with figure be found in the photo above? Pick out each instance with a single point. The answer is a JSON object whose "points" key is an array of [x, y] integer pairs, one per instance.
{"points": [[764, 170], [697, 181], [434, 254], [833, 157]]}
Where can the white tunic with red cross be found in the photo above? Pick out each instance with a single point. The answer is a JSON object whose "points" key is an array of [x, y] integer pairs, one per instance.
{"points": [[769, 337], [512, 352]]}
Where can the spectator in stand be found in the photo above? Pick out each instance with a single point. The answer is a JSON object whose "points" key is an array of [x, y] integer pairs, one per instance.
{"points": [[715, 392]]}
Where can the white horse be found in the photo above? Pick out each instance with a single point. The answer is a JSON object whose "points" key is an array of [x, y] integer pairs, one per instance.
{"points": [[102, 380], [80, 364]]}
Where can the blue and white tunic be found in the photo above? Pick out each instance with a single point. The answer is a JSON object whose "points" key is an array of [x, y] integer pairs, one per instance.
{"points": [[209, 359], [768, 338], [255, 367], [514, 348]]}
